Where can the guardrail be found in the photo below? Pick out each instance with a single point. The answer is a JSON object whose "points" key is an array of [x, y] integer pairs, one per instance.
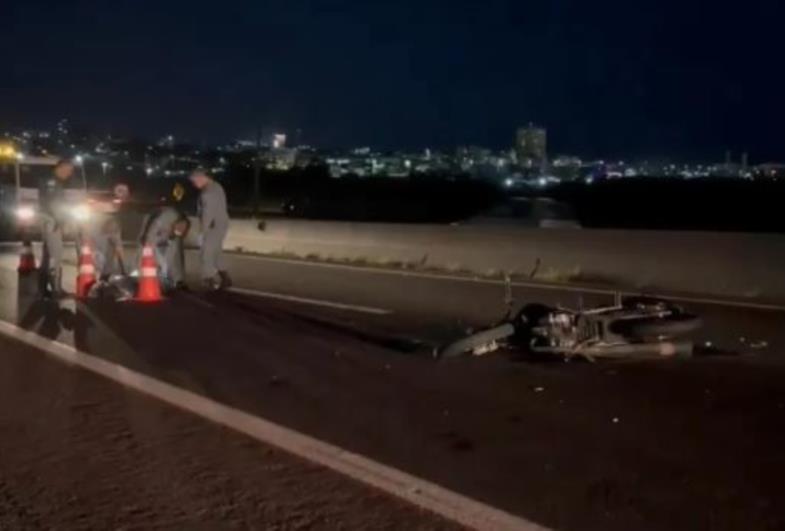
{"points": [[734, 265]]}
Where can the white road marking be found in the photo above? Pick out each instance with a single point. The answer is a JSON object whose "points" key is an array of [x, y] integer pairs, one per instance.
{"points": [[519, 283], [314, 302], [429, 496]]}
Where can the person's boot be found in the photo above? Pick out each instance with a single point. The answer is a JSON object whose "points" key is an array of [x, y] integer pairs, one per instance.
{"points": [[44, 287], [213, 283], [226, 280]]}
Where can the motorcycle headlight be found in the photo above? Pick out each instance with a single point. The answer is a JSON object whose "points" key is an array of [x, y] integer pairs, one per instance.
{"points": [[81, 212], [25, 213]]}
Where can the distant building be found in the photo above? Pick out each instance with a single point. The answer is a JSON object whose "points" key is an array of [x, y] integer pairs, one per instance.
{"points": [[63, 132], [167, 142], [280, 159], [567, 167], [279, 141], [531, 147], [771, 170]]}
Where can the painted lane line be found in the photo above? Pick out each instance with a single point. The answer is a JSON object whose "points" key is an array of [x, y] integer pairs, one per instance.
{"points": [[519, 284], [314, 302], [429, 496]]}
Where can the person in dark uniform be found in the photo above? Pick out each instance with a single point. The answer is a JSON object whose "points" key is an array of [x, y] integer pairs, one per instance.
{"points": [[53, 215], [214, 220]]}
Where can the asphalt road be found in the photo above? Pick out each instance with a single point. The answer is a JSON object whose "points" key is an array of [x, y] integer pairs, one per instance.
{"points": [[343, 354], [79, 452]]}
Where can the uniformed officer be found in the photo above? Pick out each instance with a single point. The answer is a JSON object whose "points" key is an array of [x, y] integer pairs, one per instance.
{"points": [[53, 215], [105, 233], [165, 230], [214, 220]]}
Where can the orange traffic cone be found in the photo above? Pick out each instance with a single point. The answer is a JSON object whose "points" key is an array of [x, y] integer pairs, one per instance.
{"points": [[26, 259], [149, 287], [86, 275]]}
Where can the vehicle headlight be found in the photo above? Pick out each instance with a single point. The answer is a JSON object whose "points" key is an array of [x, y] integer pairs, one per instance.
{"points": [[81, 212], [25, 213]]}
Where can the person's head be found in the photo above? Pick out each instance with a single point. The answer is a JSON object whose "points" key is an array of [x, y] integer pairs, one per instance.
{"points": [[200, 179], [122, 192], [64, 170]]}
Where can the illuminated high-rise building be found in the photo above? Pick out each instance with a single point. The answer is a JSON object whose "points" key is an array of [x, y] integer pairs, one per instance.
{"points": [[279, 141], [531, 146]]}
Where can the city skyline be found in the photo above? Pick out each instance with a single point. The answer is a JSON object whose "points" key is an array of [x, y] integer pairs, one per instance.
{"points": [[605, 80]]}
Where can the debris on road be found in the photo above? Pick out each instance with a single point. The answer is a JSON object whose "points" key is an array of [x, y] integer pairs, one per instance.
{"points": [[759, 345]]}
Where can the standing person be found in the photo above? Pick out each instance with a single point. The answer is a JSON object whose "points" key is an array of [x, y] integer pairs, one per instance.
{"points": [[53, 206], [214, 219]]}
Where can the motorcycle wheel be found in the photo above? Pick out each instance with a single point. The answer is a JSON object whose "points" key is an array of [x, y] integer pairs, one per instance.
{"points": [[473, 342], [646, 304], [673, 325]]}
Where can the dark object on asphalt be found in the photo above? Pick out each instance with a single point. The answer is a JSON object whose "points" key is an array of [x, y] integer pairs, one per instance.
{"points": [[226, 280], [119, 288], [634, 328], [181, 286]]}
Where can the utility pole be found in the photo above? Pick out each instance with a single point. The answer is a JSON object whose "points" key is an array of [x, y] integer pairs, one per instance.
{"points": [[257, 175]]}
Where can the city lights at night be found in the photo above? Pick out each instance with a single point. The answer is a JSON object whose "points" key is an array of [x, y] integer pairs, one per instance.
{"points": [[392, 265]]}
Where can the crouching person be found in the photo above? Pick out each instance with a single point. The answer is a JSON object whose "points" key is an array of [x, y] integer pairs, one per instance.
{"points": [[107, 241], [165, 231]]}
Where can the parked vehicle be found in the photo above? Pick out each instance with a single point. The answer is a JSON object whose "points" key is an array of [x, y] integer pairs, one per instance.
{"points": [[633, 328], [19, 182]]}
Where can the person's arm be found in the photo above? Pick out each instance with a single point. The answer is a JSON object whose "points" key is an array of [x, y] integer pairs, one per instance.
{"points": [[210, 206]]}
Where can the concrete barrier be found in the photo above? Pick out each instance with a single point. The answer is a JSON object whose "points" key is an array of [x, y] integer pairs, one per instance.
{"points": [[735, 265]]}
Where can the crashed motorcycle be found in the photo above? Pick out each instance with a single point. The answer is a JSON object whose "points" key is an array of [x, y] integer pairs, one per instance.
{"points": [[635, 327]]}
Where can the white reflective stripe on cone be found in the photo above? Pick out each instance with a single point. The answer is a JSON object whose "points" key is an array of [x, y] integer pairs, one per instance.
{"points": [[149, 272], [87, 270]]}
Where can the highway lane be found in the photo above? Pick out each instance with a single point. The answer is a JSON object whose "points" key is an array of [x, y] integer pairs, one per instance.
{"points": [[437, 307], [575, 446], [79, 452]]}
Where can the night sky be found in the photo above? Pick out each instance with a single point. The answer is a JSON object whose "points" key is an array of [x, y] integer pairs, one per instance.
{"points": [[642, 78]]}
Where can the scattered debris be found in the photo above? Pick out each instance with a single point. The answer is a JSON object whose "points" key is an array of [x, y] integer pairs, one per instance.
{"points": [[759, 345], [616, 420], [539, 389]]}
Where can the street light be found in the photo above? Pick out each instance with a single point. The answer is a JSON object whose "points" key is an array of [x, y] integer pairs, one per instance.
{"points": [[18, 175], [79, 159]]}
